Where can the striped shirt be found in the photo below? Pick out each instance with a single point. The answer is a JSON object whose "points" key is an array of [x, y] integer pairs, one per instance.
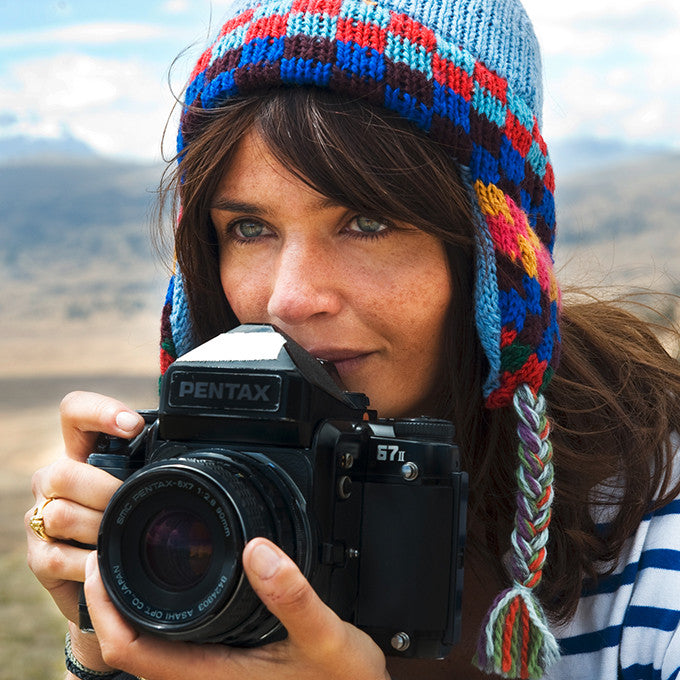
{"points": [[627, 627]]}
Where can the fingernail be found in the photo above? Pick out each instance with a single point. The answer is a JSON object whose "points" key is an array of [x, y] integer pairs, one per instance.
{"points": [[127, 421], [264, 561]]}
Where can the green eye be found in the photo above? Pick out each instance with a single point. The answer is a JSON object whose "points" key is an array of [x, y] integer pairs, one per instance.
{"points": [[368, 226], [248, 229]]}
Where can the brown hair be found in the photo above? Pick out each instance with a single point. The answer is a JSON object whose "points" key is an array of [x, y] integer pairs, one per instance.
{"points": [[613, 402]]}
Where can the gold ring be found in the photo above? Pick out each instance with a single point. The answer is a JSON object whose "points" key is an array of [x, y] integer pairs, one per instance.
{"points": [[37, 521]]}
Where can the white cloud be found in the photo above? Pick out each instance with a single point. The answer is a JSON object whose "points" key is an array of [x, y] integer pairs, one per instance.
{"points": [[636, 102], [117, 106], [578, 26], [99, 33], [581, 12], [609, 68], [176, 6]]}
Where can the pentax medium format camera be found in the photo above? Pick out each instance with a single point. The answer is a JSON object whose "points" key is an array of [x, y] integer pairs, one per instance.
{"points": [[253, 437]]}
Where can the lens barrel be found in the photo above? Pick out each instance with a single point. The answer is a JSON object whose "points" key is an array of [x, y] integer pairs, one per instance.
{"points": [[172, 537]]}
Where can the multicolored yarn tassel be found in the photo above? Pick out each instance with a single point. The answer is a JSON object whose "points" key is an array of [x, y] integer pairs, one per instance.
{"points": [[515, 641]]}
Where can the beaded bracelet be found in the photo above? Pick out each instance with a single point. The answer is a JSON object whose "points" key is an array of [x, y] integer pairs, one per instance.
{"points": [[76, 668]]}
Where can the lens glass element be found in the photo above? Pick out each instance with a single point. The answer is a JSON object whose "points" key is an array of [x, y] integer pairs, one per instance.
{"points": [[177, 549]]}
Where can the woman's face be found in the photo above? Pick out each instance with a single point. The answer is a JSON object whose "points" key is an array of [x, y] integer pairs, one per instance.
{"points": [[365, 293]]}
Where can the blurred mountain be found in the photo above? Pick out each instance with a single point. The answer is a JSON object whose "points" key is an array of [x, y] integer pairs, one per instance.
{"points": [[75, 238], [23, 148], [633, 198], [584, 155], [620, 224], [75, 233]]}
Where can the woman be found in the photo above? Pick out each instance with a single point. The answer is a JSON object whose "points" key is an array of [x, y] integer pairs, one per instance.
{"points": [[370, 177]]}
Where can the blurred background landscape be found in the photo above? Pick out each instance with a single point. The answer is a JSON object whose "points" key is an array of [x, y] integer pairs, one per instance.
{"points": [[82, 289], [81, 286]]}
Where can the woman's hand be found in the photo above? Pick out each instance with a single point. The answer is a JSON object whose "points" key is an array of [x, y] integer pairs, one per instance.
{"points": [[80, 492], [320, 646]]}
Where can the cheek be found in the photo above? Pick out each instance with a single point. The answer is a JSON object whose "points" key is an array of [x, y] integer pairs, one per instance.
{"points": [[246, 291], [419, 298], [422, 323]]}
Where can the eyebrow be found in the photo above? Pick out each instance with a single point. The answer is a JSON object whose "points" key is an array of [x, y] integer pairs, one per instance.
{"points": [[233, 205]]}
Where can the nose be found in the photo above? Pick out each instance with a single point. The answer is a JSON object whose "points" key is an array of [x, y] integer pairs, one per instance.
{"points": [[305, 285]]}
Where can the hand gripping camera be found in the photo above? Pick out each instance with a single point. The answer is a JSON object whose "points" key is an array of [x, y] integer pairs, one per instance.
{"points": [[254, 438]]}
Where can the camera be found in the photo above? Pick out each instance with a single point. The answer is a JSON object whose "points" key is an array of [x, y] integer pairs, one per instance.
{"points": [[254, 437]]}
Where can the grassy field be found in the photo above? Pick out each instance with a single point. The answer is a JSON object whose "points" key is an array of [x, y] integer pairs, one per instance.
{"points": [[34, 374]]}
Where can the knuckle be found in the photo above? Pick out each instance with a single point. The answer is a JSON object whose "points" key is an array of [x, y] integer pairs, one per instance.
{"points": [[112, 653], [45, 562], [103, 411], [331, 646], [298, 596], [63, 475], [68, 403], [53, 562], [88, 411], [59, 519]]}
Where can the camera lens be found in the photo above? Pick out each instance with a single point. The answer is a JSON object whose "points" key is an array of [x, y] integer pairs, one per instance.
{"points": [[172, 536], [177, 549]]}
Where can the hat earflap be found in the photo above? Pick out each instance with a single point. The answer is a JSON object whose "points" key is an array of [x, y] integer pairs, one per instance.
{"points": [[515, 641]]}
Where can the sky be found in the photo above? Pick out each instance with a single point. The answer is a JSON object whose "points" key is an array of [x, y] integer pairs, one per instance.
{"points": [[100, 71]]}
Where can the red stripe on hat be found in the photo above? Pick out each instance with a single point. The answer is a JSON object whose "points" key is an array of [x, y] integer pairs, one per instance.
{"points": [[405, 27], [549, 179], [166, 360], [518, 135], [272, 26], [531, 373], [496, 85], [366, 35], [202, 64], [452, 76], [330, 7], [237, 21], [536, 133], [508, 336]]}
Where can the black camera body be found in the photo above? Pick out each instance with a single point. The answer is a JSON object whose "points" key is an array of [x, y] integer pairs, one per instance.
{"points": [[254, 438]]}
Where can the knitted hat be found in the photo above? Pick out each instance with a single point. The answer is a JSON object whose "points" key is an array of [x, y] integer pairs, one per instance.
{"points": [[467, 73]]}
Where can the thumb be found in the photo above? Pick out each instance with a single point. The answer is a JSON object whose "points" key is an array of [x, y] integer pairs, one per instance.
{"points": [[288, 595]]}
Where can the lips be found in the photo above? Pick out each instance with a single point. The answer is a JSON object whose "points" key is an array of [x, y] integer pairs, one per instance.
{"points": [[336, 355], [346, 361]]}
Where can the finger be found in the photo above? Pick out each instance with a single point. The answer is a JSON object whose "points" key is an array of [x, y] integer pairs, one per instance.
{"points": [[107, 621], [66, 520], [85, 414], [58, 567], [288, 595], [55, 561], [143, 655], [81, 483]]}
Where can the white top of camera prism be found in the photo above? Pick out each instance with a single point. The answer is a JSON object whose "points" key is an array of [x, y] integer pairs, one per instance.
{"points": [[237, 346]]}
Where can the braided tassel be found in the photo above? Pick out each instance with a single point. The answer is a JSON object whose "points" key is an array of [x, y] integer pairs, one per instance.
{"points": [[515, 641]]}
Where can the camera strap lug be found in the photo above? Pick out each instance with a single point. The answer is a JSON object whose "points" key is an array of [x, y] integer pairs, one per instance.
{"points": [[336, 554]]}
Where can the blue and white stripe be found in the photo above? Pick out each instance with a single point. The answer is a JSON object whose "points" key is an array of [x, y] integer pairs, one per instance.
{"points": [[627, 626]]}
